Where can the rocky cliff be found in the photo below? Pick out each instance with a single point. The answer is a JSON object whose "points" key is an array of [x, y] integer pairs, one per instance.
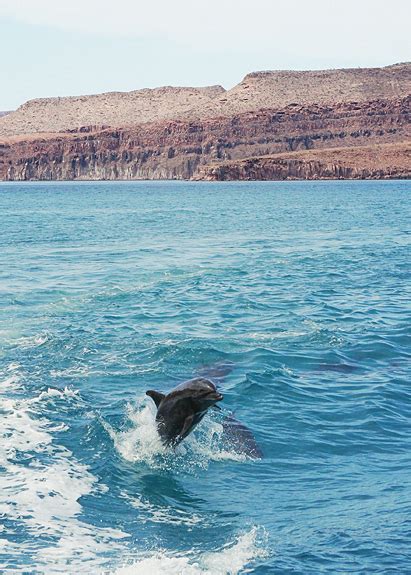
{"points": [[386, 161], [260, 129]]}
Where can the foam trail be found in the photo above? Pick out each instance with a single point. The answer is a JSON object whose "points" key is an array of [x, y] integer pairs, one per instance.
{"points": [[40, 487], [230, 560], [163, 513]]}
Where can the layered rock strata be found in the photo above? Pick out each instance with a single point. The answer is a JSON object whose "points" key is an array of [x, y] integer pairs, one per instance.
{"points": [[253, 131], [180, 149], [386, 161]]}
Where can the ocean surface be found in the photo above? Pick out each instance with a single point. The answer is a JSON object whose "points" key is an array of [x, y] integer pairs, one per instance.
{"points": [[109, 289]]}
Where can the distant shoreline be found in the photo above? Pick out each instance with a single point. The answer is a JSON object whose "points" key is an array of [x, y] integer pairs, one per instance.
{"points": [[205, 181], [280, 125]]}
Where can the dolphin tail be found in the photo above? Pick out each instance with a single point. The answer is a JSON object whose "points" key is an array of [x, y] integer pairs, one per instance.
{"points": [[156, 396]]}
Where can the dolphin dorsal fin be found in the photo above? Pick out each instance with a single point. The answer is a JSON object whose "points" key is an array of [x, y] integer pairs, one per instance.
{"points": [[156, 396]]}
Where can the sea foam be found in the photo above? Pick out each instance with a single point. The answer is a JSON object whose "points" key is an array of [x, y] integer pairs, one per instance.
{"points": [[40, 487], [229, 560]]}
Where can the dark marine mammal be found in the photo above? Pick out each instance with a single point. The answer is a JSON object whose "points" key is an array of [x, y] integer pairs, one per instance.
{"points": [[237, 437], [179, 411]]}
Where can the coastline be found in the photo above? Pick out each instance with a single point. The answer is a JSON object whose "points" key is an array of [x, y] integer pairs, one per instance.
{"points": [[341, 124]]}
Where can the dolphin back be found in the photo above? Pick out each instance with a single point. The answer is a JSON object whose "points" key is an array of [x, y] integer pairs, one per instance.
{"points": [[238, 437], [191, 386]]}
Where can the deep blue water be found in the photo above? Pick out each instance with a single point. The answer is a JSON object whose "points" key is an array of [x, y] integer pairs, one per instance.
{"points": [[109, 289]]}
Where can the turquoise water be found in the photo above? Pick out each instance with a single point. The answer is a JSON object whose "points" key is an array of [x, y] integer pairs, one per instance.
{"points": [[109, 289]]}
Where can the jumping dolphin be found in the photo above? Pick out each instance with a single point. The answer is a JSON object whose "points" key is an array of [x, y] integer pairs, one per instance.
{"points": [[183, 408]]}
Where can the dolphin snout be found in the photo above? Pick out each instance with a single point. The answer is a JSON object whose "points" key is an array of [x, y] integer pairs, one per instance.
{"points": [[214, 396]]}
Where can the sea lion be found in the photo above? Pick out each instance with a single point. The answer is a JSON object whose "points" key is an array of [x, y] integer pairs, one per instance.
{"points": [[183, 408]]}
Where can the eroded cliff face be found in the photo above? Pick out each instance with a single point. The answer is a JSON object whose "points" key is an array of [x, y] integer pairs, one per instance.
{"points": [[386, 161], [174, 133], [182, 149]]}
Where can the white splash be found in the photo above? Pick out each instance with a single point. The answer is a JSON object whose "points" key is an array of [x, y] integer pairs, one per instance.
{"points": [[41, 485], [232, 559], [140, 442]]}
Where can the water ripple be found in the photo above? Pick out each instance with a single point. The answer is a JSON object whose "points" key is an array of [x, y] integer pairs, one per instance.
{"points": [[110, 289]]}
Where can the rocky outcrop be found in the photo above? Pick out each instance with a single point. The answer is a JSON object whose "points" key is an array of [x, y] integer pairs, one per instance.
{"points": [[182, 133], [180, 149], [389, 161]]}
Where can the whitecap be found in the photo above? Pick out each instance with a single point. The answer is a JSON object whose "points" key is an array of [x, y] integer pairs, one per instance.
{"points": [[270, 335], [41, 495], [73, 371], [233, 558], [67, 393], [33, 340]]}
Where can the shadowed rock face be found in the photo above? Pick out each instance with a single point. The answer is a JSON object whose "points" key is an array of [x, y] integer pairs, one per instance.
{"points": [[387, 161], [177, 150], [250, 132]]}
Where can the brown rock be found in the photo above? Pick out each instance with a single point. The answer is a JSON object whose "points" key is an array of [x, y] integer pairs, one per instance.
{"points": [[195, 142]]}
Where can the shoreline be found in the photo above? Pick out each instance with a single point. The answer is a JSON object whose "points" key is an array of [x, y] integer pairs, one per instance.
{"points": [[206, 181]]}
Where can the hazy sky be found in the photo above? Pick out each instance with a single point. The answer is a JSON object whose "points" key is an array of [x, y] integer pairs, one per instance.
{"points": [[70, 47]]}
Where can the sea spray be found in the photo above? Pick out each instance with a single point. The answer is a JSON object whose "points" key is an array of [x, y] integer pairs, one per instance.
{"points": [[139, 441]]}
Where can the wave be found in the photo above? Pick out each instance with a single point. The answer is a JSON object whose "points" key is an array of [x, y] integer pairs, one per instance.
{"points": [[229, 560], [40, 487], [36, 340], [42, 483], [166, 514]]}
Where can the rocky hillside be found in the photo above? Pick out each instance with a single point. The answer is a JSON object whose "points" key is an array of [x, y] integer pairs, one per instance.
{"points": [[215, 134], [113, 109], [181, 149], [278, 89]]}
